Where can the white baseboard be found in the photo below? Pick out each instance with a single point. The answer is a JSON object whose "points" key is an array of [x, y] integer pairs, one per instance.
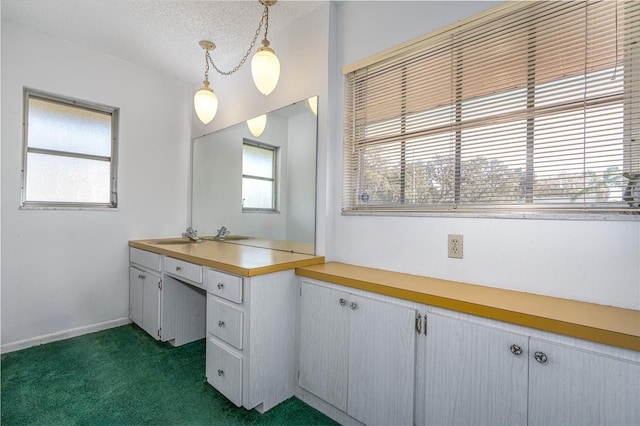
{"points": [[325, 408], [62, 335]]}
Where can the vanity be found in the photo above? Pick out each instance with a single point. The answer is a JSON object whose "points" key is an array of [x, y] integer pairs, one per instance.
{"points": [[242, 299], [363, 345], [382, 347]]}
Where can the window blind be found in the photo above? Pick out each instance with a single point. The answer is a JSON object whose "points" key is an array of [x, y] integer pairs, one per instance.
{"points": [[529, 106]]}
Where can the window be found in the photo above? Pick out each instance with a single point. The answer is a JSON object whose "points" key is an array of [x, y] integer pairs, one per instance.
{"points": [[531, 106], [69, 153], [258, 177]]}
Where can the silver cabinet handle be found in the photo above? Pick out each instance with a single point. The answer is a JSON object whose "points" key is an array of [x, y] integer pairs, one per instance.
{"points": [[220, 323], [342, 302], [220, 285], [541, 357], [220, 372], [353, 305], [515, 349], [178, 269]]}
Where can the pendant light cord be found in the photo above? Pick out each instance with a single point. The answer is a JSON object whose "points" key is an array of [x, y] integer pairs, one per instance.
{"points": [[263, 20]]}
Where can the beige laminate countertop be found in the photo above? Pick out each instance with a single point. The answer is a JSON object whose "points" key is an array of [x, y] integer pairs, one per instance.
{"points": [[262, 257], [599, 323]]}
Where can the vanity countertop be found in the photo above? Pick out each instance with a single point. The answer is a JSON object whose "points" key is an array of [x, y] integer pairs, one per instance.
{"points": [[599, 323], [262, 257]]}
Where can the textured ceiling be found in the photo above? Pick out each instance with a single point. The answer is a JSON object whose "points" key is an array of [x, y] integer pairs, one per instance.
{"points": [[162, 35]]}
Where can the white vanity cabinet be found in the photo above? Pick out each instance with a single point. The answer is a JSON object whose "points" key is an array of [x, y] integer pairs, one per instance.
{"points": [[570, 385], [483, 372], [166, 297], [148, 306], [358, 353], [473, 374], [251, 351]]}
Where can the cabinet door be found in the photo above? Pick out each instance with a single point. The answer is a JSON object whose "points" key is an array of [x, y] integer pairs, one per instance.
{"points": [[381, 362], [136, 283], [472, 377], [575, 386], [324, 343], [150, 305]]}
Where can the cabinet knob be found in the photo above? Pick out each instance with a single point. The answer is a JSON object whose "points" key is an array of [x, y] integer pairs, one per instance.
{"points": [[342, 302], [220, 286], [220, 323], [178, 269], [353, 305], [541, 357], [515, 349], [141, 277], [220, 372]]}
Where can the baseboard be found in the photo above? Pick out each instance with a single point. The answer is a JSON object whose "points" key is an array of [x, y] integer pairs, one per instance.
{"points": [[62, 335], [325, 408]]}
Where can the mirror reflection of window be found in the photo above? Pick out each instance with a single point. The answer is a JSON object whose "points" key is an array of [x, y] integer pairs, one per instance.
{"points": [[259, 185]]}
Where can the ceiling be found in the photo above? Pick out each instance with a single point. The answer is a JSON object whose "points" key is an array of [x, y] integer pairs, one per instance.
{"points": [[161, 35]]}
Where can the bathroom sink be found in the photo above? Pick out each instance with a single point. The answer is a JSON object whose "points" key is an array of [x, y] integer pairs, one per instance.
{"points": [[172, 242]]}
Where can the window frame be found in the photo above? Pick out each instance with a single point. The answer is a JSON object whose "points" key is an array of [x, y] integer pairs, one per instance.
{"points": [[114, 113], [275, 181], [352, 177]]}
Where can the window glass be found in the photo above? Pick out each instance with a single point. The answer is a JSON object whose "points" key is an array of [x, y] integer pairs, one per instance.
{"points": [[60, 127], [258, 177]]}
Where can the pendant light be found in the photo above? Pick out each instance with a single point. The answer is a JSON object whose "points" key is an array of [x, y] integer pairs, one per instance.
{"points": [[205, 100], [256, 125], [313, 104], [265, 66], [265, 69]]}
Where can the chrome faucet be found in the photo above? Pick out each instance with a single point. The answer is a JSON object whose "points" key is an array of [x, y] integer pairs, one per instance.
{"points": [[191, 234], [221, 233]]}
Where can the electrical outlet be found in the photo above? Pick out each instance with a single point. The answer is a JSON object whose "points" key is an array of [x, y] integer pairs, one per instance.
{"points": [[454, 246]]}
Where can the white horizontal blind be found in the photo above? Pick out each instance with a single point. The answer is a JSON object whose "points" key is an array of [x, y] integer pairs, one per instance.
{"points": [[532, 106]]}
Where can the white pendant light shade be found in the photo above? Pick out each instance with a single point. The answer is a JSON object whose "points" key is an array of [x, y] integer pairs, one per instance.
{"points": [[206, 104], [313, 104], [256, 125], [265, 68]]}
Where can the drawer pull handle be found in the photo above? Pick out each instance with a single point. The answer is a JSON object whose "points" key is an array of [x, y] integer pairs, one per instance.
{"points": [[141, 277], [353, 305], [342, 302], [220, 286], [541, 357], [220, 372], [515, 349], [178, 269], [220, 323]]}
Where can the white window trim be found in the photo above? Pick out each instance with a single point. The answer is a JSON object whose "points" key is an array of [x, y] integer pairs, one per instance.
{"points": [[113, 160], [275, 179]]}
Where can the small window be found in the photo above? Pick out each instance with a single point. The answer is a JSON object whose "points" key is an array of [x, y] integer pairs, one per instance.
{"points": [[259, 185], [69, 153]]}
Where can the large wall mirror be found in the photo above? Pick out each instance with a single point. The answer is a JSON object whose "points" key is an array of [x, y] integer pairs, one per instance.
{"points": [[260, 186]]}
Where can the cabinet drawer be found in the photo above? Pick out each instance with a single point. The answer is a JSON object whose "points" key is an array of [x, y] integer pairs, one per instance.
{"points": [[145, 258], [224, 322], [183, 269], [224, 285], [224, 372]]}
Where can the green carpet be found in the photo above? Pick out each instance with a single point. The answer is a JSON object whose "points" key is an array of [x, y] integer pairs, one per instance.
{"points": [[122, 376]]}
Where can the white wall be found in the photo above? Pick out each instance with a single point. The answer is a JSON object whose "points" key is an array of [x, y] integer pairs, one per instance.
{"points": [[593, 261], [65, 272]]}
